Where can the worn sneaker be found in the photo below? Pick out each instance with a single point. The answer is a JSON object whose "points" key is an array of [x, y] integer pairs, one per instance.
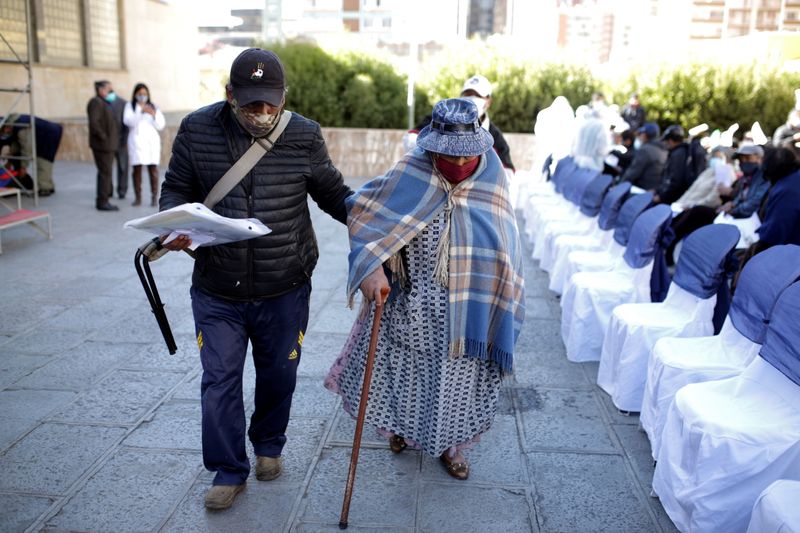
{"points": [[221, 497], [268, 468]]}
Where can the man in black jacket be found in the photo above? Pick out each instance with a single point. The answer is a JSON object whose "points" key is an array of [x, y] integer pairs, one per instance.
{"points": [[104, 141], [256, 290], [676, 178], [648, 159]]}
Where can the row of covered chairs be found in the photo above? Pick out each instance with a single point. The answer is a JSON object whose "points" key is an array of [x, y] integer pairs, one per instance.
{"points": [[718, 442]]}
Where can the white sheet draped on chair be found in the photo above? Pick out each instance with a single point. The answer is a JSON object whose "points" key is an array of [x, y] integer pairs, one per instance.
{"points": [[777, 509], [677, 362], [687, 311], [591, 296], [632, 331], [568, 210], [726, 441], [723, 443], [597, 238], [589, 206], [607, 259]]}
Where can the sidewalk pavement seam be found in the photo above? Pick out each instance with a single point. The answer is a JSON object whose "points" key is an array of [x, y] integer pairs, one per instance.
{"points": [[533, 512], [11, 492], [627, 461], [60, 502], [296, 507], [570, 451], [176, 504]]}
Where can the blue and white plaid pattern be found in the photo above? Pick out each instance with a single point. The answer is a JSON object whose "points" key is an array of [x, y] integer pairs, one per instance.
{"points": [[485, 282]]}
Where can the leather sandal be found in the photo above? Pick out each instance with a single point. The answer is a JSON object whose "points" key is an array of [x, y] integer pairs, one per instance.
{"points": [[457, 470], [397, 443]]}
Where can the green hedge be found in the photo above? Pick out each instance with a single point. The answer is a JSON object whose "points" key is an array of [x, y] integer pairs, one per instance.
{"points": [[345, 90], [521, 86], [719, 96], [357, 90]]}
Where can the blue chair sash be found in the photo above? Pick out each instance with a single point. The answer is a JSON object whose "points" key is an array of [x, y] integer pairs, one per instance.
{"points": [[763, 279], [612, 203], [564, 169], [631, 209], [592, 198], [782, 343], [578, 184], [650, 235], [706, 265], [701, 265]]}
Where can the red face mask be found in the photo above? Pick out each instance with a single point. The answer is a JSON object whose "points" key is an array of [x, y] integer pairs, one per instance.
{"points": [[455, 173]]}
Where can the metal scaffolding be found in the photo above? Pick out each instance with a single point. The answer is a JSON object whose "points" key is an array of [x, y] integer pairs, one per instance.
{"points": [[22, 92]]}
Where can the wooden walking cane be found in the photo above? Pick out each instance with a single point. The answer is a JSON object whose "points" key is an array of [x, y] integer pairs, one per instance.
{"points": [[362, 411]]}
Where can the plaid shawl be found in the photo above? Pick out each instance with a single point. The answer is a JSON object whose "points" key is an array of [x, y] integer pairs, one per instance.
{"points": [[483, 270]]}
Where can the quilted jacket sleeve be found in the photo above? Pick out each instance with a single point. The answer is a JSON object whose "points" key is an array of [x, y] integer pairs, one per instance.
{"points": [[326, 185]]}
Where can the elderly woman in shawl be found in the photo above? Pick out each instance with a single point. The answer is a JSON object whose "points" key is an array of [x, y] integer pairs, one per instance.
{"points": [[439, 230]]}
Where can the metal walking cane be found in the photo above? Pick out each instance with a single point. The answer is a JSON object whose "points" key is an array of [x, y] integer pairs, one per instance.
{"points": [[362, 410]]}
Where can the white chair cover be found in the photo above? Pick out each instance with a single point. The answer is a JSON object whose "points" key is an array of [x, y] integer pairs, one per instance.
{"points": [[549, 195], [687, 311], [723, 443], [580, 226], [633, 330], [596, 240], [588, 302], [573, 190], [677, 362], [564, 214], [602, 262], [777, 509], [605, 260], [590, 206]]}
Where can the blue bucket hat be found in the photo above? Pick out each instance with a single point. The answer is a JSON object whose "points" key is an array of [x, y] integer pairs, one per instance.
{"points": [[455, 130]]}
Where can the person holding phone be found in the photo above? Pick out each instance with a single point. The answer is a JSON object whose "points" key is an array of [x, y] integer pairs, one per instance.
{"points": [[144, 121]]}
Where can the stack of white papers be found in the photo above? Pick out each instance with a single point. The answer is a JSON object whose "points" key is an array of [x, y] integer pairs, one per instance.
{"points": [[201, 224]]}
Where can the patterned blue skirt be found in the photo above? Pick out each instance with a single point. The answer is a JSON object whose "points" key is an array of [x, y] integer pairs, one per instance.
{"points": [[417, 391]]}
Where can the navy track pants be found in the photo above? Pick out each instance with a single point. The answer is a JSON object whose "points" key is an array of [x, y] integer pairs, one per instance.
{"points": [[275, 327]]}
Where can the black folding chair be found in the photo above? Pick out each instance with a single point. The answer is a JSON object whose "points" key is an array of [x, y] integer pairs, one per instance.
{"points": [[152, 250]]}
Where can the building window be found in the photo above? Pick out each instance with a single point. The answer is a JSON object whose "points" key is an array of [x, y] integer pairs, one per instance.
{"points": [[60, 30], [79, 33], [104, 35], [12, 26]]}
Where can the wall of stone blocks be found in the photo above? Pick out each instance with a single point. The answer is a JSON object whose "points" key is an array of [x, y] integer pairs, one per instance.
{"points": [[356, 152]]}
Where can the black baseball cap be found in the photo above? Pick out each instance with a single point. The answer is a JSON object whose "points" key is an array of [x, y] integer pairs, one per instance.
{"points": [[257, 76]]}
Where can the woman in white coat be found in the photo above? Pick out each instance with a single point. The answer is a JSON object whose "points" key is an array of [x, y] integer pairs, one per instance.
{"points": [[144, 120]]}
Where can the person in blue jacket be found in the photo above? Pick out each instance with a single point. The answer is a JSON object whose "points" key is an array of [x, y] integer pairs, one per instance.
{"points": [[781, 217], [749, 191]]}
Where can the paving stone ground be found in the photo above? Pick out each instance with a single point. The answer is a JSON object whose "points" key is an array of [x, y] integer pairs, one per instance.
{"points": [[100, 427]]}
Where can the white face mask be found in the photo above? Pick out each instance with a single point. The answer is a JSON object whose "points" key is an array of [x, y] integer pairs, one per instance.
{"points": [[637, 143], [141, 98], [479, 102]]}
